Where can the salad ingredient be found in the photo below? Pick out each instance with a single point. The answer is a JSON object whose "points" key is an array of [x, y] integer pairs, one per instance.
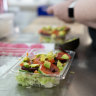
{"points": [[49, 27], [50, 55], [29, 69], [53, 36], [35, 71], [38, 55], [55, 32], [59, 55], [52, 60], [60, 65], [27, 80], [21, 64], [26, 65], [50, 63], [27, 54], [45, 71], [62, 33], [36, 61], [43, 57], [65, 56], [34, 65], [26, 59], [47, 64]]}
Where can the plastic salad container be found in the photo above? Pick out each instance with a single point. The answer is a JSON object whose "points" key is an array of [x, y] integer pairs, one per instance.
{"points": [[53, 34], [43, 77]]}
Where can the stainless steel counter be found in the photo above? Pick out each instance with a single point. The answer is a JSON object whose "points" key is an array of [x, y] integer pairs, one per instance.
{"points": [[83, 83], [80, 80]]}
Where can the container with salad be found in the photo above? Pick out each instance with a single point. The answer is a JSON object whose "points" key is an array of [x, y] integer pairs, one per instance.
{"points": [[53, 34], [43, 68]]}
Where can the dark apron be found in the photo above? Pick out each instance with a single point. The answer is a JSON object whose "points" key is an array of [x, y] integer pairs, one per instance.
{"points": [[92, 33]]}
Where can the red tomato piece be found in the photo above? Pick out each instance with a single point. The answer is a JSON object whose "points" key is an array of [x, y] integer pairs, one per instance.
{"points": [[68, 55], [40, 31], [37, 61], [59, 55], [55, 32], [52, 61], [53, 69]]}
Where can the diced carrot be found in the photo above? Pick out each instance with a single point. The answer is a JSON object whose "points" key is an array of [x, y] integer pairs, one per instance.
{"points": [[35, 71], [27, 54], [21, 64]]}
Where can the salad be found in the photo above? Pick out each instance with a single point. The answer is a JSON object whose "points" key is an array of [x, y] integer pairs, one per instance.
{"points": [[54, 34], [42, 69]]}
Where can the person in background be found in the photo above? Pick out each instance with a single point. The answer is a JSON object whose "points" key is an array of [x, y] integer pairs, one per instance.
{"points": [[82, 11]]}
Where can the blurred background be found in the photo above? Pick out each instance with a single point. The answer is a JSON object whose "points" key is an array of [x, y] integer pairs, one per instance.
{"points": [[23, 17], [20, 13]]}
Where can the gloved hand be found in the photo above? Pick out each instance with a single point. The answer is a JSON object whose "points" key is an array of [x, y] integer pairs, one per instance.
{"points": [[61, 10]]}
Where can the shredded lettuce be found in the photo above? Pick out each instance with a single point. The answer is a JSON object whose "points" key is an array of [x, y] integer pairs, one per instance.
{"points": [[27, 79]]}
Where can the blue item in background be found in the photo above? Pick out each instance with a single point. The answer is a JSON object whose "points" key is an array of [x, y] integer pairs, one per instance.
{"points": [[41, 11]]}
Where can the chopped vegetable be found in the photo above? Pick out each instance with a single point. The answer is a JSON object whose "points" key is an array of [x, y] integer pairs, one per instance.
{"points": [[26, 65], [27, 80], [35, 71], [49, 27], [47, 64], [59, 65], [50, 63], [34, 65], [65, 56], [42, 57], [50, 55], [45, 71], [59, 55], [61, 33], [27, 54], [52, 60], [53, 36], [38, 55], [21, 64], [26, 59]]}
